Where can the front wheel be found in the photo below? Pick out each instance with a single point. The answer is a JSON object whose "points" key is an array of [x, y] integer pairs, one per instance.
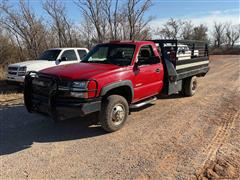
{"points": [[114, 113], [190, 86]]}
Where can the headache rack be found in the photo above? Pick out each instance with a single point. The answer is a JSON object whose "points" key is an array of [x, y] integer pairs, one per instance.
{"points": [[182, 59]]}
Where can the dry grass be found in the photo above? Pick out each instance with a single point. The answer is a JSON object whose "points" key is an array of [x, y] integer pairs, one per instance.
{"points": [[2, 73], [10, 97], [9, 100]]}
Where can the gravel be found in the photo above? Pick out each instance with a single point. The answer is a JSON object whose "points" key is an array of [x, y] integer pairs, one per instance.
{"points": [[175, 138]]}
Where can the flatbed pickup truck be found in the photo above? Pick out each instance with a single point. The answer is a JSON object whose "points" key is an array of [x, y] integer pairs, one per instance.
{"points": [[113, 78]]}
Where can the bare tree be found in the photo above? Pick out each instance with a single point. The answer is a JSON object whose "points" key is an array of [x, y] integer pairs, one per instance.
{"points": [[171, 29], [93, 11], [87, 32], [9, 51], [200, 33], [112, 20], [232, 34], [123, 29], [136, 10], [187, 30], [61, 24], [218, 33], [110, 9], [27, 29], [145, 34]]}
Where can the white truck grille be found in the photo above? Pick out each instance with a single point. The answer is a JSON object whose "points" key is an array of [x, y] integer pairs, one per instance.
{"points": [[12, 70]]}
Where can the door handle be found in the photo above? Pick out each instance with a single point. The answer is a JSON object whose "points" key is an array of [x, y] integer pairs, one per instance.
{"points": [[157, 70]]}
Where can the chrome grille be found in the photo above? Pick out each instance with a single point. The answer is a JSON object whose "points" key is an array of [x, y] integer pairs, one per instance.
{"points": [[12, 70]]}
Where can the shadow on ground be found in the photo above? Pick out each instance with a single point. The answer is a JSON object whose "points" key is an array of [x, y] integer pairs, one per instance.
{"points": [[19, 129], [9, 88], [173, 96]]}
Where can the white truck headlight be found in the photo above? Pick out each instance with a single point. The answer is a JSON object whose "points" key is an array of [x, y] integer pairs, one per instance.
{"points": [[22, 68], [22, 71]]}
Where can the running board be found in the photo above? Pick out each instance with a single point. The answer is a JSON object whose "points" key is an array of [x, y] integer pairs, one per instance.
{"points": [[143, 103]]}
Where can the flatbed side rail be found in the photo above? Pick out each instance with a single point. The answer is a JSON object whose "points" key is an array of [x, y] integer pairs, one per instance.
{"points": [[185, 56], [182, 59]]}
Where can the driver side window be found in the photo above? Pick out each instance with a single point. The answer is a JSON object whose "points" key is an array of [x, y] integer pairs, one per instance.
{"points": [[70, 55], [145, 53]]}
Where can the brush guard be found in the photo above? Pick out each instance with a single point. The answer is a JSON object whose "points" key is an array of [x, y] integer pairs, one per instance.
{"points": [[28, 94]]}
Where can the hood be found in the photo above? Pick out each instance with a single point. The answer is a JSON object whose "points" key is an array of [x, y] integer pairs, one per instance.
{"points": [[27, 63], [80, 70]]}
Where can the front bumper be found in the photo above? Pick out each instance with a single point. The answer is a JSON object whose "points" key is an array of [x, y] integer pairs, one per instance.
{"points": [[15, 78], [60, 109], [56, 105]]}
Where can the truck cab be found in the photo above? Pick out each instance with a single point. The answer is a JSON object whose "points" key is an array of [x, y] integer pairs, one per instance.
{"points": [[49, 58], [111, 79]]}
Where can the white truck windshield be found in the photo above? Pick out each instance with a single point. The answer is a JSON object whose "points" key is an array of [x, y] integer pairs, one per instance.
{"points": [[50, 55]]}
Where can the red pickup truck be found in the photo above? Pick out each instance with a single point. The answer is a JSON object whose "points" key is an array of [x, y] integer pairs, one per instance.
{"points": [[113, 78]]}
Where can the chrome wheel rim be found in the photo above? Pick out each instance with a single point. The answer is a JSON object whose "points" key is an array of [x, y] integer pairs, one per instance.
{"points": [[118, 114]]}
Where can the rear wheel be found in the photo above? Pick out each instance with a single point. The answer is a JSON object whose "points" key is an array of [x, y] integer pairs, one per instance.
{"points": [[114, 113], [190, 86]]}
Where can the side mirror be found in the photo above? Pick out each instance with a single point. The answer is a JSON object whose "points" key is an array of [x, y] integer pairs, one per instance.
{"points": [[58, 61], [63, 59], [136, 65]]}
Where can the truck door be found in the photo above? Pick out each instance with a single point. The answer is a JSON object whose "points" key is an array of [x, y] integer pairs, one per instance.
{"points": [[148, 75]]}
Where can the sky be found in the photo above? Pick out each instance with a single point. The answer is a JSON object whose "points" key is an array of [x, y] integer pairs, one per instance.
{"points": [[198, 11]]}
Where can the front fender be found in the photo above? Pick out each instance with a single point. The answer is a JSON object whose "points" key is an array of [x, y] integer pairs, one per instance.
{"points": [[114, 85]]}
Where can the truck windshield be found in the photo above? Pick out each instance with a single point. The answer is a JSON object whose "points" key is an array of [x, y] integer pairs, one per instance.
{"points": [[50, 55], [118, 54]]}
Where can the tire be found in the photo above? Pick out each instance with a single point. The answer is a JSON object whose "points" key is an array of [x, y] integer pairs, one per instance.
{"points": [[190, 86], [114, 113]]}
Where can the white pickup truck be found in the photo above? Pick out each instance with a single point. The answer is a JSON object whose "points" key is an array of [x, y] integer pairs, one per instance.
{"points": [[49, 58], [183, 51]]}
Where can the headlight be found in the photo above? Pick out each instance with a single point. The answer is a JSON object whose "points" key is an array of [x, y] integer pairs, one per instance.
{"points": [[79, 89], [24, 68], [22, 71], [79, 85], [83, 89]]}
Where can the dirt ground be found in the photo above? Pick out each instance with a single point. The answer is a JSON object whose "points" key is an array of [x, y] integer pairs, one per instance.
{"points": [[175, 138]]}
